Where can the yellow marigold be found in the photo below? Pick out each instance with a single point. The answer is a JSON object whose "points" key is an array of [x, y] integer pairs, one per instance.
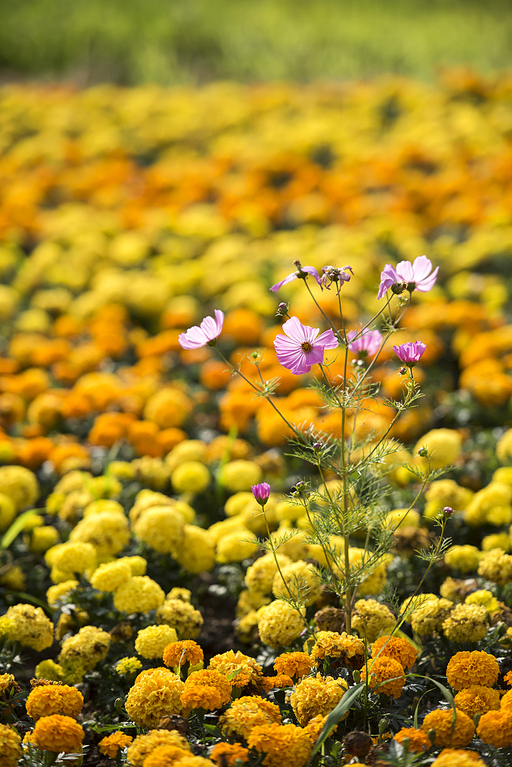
{"points": [[371, 619], [144, 745], [225, 754], [153, 696], [240, 475], [197, 551], [128, 666], [54, 699], [110, 745], [182, 616], [7, 683], [138, 565], [496, 566], [179, 593], [466, 623], [211, 679], [294, 664], [29, 626], [453, 757], [315, 726], [48, 669], [190, 477], [447, 731], [260, 575], [398, 648], [468, 668], [418, 740], [294, 574], [71, 557], [55, 594], [330, 644], [485, 598], [181, 652], [58, 733], [248, 671], [140, 594], [428, 619], [315, 696], [152, 641], [278, 741], [508, 678], [463, 558], [10, 746], [382, 669], [279, 624], [109, 576], [495, 728], [236, 546], [443, 445], [161, 527], [20, 485], [248, 712], [89, 646], [477, 699], [166, 756], [108, 531]]}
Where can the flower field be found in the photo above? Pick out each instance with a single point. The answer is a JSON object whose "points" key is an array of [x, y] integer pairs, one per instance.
{"points": [[256, 424]]}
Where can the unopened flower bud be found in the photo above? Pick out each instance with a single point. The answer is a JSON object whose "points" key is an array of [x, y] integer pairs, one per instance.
{"points": [[317, 446], [431, 735], [398, 287], [423, 452], [448, 511], [282, 310], [403, 371], [261, 492]]}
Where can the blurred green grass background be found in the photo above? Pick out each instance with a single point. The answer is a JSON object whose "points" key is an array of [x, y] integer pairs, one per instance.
{"points": [[195, 41]]}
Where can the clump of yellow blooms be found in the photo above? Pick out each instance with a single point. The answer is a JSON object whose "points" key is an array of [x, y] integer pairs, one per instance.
{"points": [[10, 746], [466, 623], [155, 694], [29, 626], [429, 617], [181, 652], [152, 641], [398, 648], [447, 731], [385, 675], [315, 696], [240, 475], [330, 644], [197, 551], [182, 616], [294, 574], [279, 624], [111, 745], [463, 558], [293, 664], [56, 593], [85, 649], [190, 477], [108, 531], [276, 740], [477, 699], [495, 728], [496, 566], [111, 575], [58, 734], [260, 575], [144, 745], [248, 712], [54, 699], [443, 445], [462, 758], [418, 740], [248, 671], [128, 665], [161, 527], [371, 619], [236, 546], [139, 594]]}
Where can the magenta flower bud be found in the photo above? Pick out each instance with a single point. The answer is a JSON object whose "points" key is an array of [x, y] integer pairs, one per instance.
{"points": [[447, 511], [410, 353], [261, 492]]}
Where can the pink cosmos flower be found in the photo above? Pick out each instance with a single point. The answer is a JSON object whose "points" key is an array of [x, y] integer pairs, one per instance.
{"points": [[261, 492], [302, 347], [367, 344], [205, 334], [294, 275], [410, 353], [417, 275]]}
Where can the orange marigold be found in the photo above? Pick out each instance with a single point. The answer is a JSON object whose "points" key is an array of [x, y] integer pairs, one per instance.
{"points": [[110, 745], [10, 746], [247, 712], [506, 701], [281, 742], [58, 733], [418, 740], [225, 754], [495, 728], [241, 669], [144, 745], [477, 699], [211, 679], [330, 644], [200, 696], [476, 667], [398, 648], [449, 731], [54, 699], [153, 696], [385, 675], [293, 664], [181, 652], [166, 756], [451, 757], [274, 682], [508, 678], [316, 695]]}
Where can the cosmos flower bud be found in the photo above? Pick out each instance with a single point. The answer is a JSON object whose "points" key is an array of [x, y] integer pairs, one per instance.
{"points": [[261, 492]]}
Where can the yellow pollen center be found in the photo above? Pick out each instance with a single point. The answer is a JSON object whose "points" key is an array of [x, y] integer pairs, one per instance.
{"points": [[306, 346]]}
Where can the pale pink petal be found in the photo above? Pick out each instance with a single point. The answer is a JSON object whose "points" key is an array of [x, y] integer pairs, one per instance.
{"points": [[388, 277], [328, 340], [294, 329], [286, 280], [428, 283], [194, 338], [421, 267], [405, 271]]}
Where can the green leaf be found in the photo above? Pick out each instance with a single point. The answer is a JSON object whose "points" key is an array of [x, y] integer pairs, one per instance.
{"points": [[334, 717], [15, 529], [445, 691]]}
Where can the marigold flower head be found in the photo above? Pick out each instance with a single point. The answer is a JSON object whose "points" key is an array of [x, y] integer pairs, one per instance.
{"points": [[54, 699], [477, 699], [428, 619], [214, 679], [330, 644], [450, 730], [10, 746], [152, 641], [371, 619], [260, 575], [246, 668], [469, 668], [453, 757], [382, 669], [110, 745], [398, 648], [109, 576], [58, 733], [153, 696], [485, 598], [182, 616], [181, 652], [294, 664], [248, 712], [463, 558], [225, 754], [278, 740], [166, 756], [279, 624], [146, 744], [418, 740], [315, 696], [71, 557], [495, 728], [139, 594], [268, 683], [29, 626], [89, 647], [129, 665], [496, 566], [466, 623]]}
